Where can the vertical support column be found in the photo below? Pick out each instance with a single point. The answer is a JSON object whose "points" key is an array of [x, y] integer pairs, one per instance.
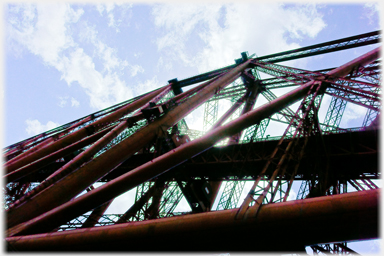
{"points": [[253, 90], [231, 195], [210, 114], [233, 189], [371, 115], [335, 113], [304, 122], [171, 198]]}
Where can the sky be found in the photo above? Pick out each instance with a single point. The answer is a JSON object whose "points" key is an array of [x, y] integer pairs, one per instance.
{"points": [[64, 61]]}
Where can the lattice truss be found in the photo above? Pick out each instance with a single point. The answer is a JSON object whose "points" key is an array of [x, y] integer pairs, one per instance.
{"points": [[135, 145]]}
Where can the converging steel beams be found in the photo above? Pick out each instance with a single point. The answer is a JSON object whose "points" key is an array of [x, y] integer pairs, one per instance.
{"points": [[96, 214], [161, 164], [251, 94], [327, 47], [81, 133], [30, 168], [74, 183], [288, 226], [59, 132]]}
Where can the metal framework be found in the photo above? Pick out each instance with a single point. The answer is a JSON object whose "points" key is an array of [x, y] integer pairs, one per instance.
{"points": [[51, 197]]}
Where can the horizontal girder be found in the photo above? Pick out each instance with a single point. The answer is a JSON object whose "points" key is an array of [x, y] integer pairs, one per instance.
{"points": [[288, 226], [352, 154], [99, 147]]}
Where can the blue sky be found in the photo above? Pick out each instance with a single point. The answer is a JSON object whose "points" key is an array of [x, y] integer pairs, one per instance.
{"points": [[63, 62]]}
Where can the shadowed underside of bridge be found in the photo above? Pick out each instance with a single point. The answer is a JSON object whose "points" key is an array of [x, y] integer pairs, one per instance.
{"points": [[350, 155], [145, 144]]}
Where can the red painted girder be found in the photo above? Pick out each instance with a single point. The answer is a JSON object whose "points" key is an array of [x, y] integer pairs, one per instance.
{"points": [[96, 214], [74, 183], [161, 164], [252, 94], [145, 172], [277, 227], [229, 112], [30, 151], [250, 99], [24, 145], [27, 169], [81, 133]]}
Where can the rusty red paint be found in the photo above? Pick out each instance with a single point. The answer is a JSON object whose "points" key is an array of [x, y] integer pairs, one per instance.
{"points": [[277, 227]]}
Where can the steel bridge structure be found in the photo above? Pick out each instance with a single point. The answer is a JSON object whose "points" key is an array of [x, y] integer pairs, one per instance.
{"points": [[235, 177]]}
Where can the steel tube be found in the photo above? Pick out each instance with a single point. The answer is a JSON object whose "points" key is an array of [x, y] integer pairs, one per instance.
{"points": [[81, 133], [158, 97], [229, 112], [249, 98], [91, 151], [193, 90], [253, 93], [29, 142], [10, 152], [74, 183], [161, 164], [25, 170], [96, 214], [136, 206], [286, 226], [41, 145], [77, 161], [348, 67], [145, 172]]}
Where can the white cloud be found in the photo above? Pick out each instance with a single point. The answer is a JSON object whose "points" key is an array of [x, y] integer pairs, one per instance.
{"points": [[109, 8], [375, 246], [225, 31], [100, 8], [211, 36], [371, 11], [75, 103], [106, 54], [102, 90], [34, 127], [63, 101], [353, 115], [122, 203], [148, 85], [45, 30], [302, 21], [136, 69]]}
